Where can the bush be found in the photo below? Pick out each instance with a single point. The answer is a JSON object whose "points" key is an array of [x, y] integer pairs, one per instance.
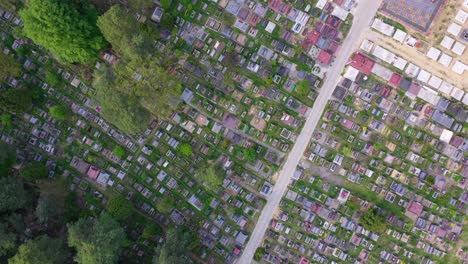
{"points": [[259, 253], [119, 207], [34, 171], [185, 149], [59, 112], [119, 151], [373, 220]]}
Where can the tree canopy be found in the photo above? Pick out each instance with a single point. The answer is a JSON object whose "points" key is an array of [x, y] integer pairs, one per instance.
{"points": [[59, 112], [303, 87], [123, 111], [66, 29], [165, 204], [46, 209], [373, 220], [119, 207], [121, 29], [7, 240], [16, 100], [119, 151], [7, 158], [41, 250], [97, 241], [148, 82], [34, 171], [210, 177], [12, 194], [185, 149], [8, 66], [175, 247]]}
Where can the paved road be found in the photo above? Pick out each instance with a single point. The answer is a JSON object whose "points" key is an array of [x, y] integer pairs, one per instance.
{"points": [[362, 18]]}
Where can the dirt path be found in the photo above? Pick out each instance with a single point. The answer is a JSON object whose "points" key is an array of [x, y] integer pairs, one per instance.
{"points": [[324, 173]]}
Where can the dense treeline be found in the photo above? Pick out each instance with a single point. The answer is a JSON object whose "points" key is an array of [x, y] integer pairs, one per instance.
{"points": [[129, 92]]}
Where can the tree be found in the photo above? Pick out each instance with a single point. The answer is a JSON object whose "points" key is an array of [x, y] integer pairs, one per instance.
{"points": [[7, 158], [166, 3], [303, 88], [139, 5], [7, 240], [54, 79], [175, 247], [152, 85], [12, 194], [67, 29], [373, 220], [121, 29], [5, 120], [8, 4], [59, 112], [119, 207], [9, 67], [41, 250], [250, 154], [16, 100], [210, 177], [34, 171], [121, 110], [150, 231], [165, 204], [185, 149], [46, 209], [430, 179], [119, 151], [97, 241], [259, 253]]}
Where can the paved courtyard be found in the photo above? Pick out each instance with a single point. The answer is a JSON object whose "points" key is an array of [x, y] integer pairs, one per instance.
{"points": [[416, 13]]}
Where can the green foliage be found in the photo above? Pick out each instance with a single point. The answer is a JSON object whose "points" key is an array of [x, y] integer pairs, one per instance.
{"points": [[346, 151], [152, 85], [122, 30], [210, 177], [373, 220], [7, 240], [165, 204], [67, 29], [16, 100], [53, 78], [41, 250], [97, 241], [8, 4], [12, 194], [150, 231], [259, 253], [119, 151], [7, 158], [5, 120], [430, 179], [59, 112], [303, 88], [121, 110], [175, 248], [166, 3], [185, 149], [119, 207], [250, 154], [34, 171], [71, 210], [139, 4], [46, 209], [8, 67]]}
